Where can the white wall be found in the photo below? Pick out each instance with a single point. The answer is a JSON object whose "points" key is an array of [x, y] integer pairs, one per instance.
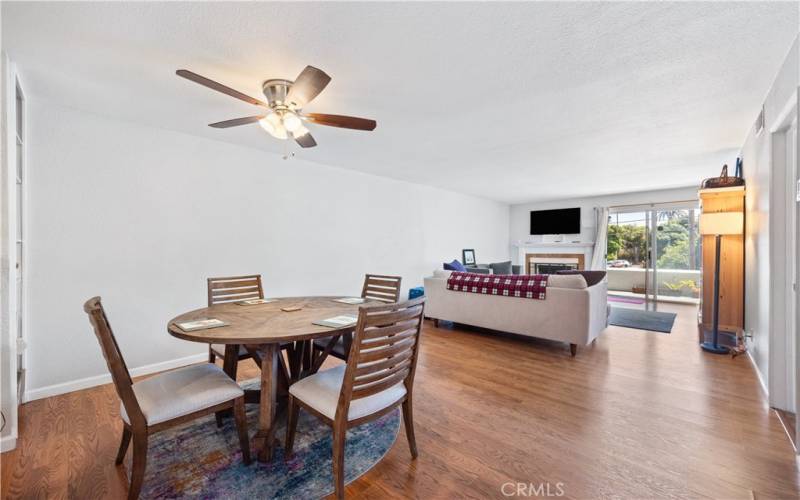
{"points": [[519, 229], [142, 216], [765, 219]]}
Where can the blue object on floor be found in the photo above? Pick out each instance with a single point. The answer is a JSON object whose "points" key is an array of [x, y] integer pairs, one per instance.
{"points": [[714, 347], [416, 292], [642, 320]]}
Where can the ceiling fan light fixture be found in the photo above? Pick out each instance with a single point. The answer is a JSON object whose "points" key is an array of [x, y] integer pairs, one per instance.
{"points": [[291, 121], [279, 132], [274, 118], [267, 125], [273, 125]]}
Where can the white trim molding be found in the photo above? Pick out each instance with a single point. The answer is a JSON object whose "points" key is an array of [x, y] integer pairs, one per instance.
{"points": [[8, 443], [758, 375], [85, 383]]}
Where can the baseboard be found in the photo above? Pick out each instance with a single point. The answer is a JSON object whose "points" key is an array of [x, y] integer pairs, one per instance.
{"points": [[758, 375], [85, 383], [8, 443]]}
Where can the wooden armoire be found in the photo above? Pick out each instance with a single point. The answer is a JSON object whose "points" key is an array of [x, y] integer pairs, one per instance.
{"points": [[731, 286]]}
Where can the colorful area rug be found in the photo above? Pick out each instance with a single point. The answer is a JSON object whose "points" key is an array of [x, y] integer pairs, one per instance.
{"points": [[200, 460]]}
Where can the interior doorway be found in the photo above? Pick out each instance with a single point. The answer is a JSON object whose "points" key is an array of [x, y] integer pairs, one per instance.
{"points": [[654, 255], [784, 372]]}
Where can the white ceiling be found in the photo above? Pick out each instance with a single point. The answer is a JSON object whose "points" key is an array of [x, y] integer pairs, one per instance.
{"points": [[510, 101]]}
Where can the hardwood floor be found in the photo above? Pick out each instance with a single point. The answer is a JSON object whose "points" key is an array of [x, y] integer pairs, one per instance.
{"points": [[635, 415]]}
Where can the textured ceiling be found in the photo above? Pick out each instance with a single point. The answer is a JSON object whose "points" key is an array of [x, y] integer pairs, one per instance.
{"points": [[510, 101]]}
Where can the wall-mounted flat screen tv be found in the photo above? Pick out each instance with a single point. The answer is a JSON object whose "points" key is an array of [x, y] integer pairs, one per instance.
{"points": [[560, 221]]}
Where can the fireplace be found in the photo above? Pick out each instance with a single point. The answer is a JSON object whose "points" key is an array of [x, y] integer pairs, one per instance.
{"points": [[542, 268], [551, 263]]}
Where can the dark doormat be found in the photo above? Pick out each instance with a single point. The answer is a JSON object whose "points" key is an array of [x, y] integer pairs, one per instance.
{"points": [[642, 320]]}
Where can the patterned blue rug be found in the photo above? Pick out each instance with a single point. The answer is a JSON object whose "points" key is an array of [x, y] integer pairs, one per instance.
{"points": [[200, 460]]}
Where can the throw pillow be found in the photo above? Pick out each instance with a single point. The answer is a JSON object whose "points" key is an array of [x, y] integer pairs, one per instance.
{"points": [[454, 266], [501, 267]]}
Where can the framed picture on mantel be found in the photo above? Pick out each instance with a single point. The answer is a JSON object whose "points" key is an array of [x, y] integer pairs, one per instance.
{"points": [[468, 257]]}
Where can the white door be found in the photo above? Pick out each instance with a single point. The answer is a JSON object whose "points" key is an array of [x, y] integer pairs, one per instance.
{"points": [[19, 264], [791, 241]]}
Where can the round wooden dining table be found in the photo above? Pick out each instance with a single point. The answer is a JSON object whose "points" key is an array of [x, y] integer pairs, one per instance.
{"points": [[263, 329]]}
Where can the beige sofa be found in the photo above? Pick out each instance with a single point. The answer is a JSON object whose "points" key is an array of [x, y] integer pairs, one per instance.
{"points": [[572, 312]]}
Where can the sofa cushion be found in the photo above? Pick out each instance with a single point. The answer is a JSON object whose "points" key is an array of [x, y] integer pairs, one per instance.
{"points": [[454, 266], [501, 267], [441, 274], [575, 281], [592, 277], [479, 270]]}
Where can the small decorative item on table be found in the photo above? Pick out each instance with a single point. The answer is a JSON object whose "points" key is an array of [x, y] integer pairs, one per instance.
{"points": [[415, 292]]}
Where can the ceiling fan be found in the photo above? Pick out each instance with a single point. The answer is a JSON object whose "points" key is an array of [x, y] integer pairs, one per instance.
{"points": [[283, 116]]}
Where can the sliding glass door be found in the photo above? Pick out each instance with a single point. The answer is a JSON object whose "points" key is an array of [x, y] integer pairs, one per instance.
{"points": [[676, 265], [653, 255]]}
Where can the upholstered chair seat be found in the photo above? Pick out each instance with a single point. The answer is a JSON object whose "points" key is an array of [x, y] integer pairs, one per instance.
{"points": [[164, 400], [321, 392], [378, 377], [183, 391]]}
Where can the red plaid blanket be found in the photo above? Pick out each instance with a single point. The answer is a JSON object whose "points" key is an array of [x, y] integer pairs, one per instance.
{"points": [[509, 285]]}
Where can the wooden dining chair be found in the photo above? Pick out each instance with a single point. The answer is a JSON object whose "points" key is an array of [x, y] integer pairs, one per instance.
{"points": [[224, 291], [376, 287], [164, 400], [378, 377]]}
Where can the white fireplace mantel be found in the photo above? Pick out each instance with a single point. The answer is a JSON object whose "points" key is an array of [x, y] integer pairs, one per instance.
{"points": [[538, 247], [553, 245]]}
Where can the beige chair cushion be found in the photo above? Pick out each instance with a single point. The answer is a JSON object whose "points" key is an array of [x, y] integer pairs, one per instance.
{"points": [[219, 349], [321, 392], [183, 391]]}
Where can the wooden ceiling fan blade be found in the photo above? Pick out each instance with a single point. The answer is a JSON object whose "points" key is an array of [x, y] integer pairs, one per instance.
{"points": [[341, 121], [308, 84], [236, 122], [185, 73], [305, 140]]}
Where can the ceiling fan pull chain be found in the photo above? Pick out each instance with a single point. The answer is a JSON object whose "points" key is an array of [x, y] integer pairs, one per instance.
{"points": [[287, 155]]}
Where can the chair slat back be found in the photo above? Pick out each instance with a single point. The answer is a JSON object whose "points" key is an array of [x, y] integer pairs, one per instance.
{"points": [[384, 350], [116, 363], [234, 289], [382, 288]]}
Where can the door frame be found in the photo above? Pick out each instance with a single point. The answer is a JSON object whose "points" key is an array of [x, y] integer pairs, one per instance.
{"points": [[650, 210], [12, 84], [783, 377]]}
